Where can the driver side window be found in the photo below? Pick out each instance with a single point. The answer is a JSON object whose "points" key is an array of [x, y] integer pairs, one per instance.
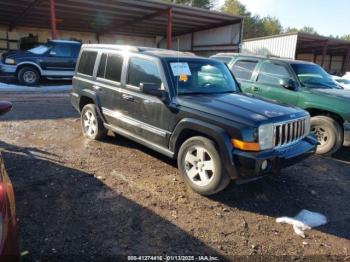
{"points": [[271, 74], [61, 51]]}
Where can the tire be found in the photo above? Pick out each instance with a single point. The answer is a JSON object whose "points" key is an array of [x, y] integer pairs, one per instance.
{"points": [[329, 133], [91, 123], [28, 75], [193, 169]]}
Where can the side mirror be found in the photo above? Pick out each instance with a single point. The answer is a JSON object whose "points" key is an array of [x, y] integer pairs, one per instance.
{"points": [[5, 107], [153, 89], [52, 53], [288, 83]]}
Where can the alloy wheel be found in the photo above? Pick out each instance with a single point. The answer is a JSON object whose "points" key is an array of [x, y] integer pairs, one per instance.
{"points": [[90, 123], [199, 166]]}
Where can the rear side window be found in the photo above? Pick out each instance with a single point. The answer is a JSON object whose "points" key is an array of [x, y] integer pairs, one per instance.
{"points": [[114, 67], [87, 62], [243, 69], [271, 74], [143, 71], [102, 66]]}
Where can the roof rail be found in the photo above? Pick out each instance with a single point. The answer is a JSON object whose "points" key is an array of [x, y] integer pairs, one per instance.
{"points": [[115, 47]]}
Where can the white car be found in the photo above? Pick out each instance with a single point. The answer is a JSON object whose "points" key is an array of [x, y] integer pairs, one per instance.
{"points": [[343, 82]]}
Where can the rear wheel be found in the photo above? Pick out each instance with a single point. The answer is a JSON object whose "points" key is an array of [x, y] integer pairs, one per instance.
{"points": [[329, 134], [28, 75], [92, 124], [200, 165]]}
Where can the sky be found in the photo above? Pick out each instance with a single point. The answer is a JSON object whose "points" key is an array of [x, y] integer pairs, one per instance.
{"points": [[326, 16]]}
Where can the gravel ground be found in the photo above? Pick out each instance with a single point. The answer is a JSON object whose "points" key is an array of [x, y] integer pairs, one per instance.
{"points": [[85, 200]]}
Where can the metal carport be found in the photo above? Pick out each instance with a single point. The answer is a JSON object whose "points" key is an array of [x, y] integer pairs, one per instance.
{"points": [[147, 18]]}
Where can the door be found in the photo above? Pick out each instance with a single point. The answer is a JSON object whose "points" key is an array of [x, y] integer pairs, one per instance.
{"points": [[268, 83], [59, 59], [243, 70], [108, 85], [145, 115]]}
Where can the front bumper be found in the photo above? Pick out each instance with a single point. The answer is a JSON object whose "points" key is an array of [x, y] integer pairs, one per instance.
{"points": [[346, 133], [249, 164], [7, 70]]}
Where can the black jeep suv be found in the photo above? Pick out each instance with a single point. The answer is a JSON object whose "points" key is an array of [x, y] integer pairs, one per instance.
{"points": [[56, 59], [189, 108]]}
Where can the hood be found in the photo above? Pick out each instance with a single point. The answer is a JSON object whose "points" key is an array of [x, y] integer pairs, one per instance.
{"points": [[18, 54], [337, 93], [241, 108]]}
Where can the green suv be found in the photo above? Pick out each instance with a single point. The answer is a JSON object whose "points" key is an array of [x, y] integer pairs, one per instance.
{"points": [[301, 84]]}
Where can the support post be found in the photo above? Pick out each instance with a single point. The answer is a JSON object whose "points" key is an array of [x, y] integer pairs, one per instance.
{"points": [[169, 35], [53, 19], [346, 61], [324, 52]]}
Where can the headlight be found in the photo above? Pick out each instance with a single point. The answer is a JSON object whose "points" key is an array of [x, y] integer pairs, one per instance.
{"points": [[266, 136], [10, 61]]}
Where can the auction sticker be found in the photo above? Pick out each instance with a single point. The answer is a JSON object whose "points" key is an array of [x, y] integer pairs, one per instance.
{"points": [[180, 69]]}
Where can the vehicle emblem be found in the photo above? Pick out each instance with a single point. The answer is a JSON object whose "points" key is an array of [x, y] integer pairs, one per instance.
{"points": [[292, 116]]}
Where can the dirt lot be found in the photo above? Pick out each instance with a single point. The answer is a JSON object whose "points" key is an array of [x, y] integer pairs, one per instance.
{"points": [[93, 200]]}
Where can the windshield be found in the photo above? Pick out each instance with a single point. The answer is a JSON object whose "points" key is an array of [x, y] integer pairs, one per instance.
{"points": [[39, 50], [201, 77], [311, 75]]}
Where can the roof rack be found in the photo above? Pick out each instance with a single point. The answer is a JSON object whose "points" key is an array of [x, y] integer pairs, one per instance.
{"points": [[114, 47]]}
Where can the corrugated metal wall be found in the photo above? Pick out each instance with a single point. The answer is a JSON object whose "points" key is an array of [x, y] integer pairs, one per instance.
{"points": [[207, 42], [281, 46]]}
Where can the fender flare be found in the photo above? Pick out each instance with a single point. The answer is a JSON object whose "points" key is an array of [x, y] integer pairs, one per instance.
{"points": [[219, 135], [95, 98], [30, 64]]}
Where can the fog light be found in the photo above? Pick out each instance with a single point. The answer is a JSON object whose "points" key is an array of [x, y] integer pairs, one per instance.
{"points": [[264, 165]]}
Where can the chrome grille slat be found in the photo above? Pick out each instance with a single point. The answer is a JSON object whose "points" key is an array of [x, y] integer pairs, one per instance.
{"points": [[289, 132]]}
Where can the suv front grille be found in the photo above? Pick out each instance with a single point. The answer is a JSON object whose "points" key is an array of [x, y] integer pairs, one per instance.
{"points": [[290, 132]]}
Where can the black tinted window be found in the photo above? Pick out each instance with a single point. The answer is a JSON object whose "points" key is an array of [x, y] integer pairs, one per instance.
{"points": [[143, 71], [114, 67], [243, 69], [271, 73], [87, 62], [102, 66]]}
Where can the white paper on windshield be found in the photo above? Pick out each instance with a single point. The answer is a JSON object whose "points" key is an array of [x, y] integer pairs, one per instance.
{"points": [[180, 69]]}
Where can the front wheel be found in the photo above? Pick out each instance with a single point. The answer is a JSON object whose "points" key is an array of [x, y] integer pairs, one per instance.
{"points": [[329, 133], [200, 165], [28, 75]]}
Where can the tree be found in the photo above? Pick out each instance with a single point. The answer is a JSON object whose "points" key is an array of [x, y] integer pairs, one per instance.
{"points": [[345, 37], [254, 26], [207, 4], [305, 29]]}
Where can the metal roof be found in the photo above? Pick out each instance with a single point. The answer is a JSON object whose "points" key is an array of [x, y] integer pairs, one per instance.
{"points": [[128, 17]]}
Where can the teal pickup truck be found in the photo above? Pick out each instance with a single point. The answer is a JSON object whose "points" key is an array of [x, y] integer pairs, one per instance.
{"points": [[301, 84]]}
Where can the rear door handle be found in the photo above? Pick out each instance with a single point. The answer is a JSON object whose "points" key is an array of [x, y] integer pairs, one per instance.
{"points": [[255, 88], [127, 97]]}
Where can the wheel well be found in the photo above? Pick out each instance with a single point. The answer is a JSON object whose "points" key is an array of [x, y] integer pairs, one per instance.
{"points": [[84, 100], [320, 112], [186, 134], [27, 65]]}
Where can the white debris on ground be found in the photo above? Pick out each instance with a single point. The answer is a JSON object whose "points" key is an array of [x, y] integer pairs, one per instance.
{"points": [[41, 88], [305, 220]]}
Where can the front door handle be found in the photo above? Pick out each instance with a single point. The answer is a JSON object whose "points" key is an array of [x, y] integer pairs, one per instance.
{"points": [[255, 88], [128, 97]]}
